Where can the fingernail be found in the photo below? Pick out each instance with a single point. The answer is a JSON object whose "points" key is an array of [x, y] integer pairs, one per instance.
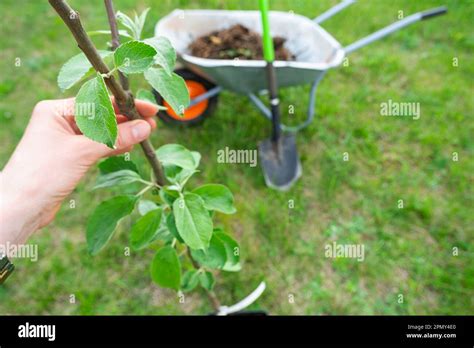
{"points": [[141, 130]]}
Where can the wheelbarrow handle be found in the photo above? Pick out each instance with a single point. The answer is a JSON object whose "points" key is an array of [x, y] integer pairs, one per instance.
{"points": [[333, 10], [395, 27], [438, 11]]}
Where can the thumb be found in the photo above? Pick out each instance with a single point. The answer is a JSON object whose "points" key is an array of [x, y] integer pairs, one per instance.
{"points": [[129, 134]]}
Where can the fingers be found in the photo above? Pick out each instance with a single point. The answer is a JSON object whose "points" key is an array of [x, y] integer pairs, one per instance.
{"points": [[144, 108], [65, 107], [129, 134], [151, 121]]}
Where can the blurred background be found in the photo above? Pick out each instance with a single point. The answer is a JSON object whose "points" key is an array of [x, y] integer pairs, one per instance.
{"points": [[407, 251]]}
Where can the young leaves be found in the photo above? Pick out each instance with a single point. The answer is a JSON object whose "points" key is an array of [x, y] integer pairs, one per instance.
{"points": [[105, 218], [144, 206], [165, 53], [223, 253], [166, 269], [94, 112], [190, 280], [171, 87], [207, 280], [214, 257], [232, 263], [171, 225], [145, 229], [146, 95], [75, 69], [121, 177], [177, 155], [135, 26], [134, 57], [216, 197], [193, 221], [116, 163]]}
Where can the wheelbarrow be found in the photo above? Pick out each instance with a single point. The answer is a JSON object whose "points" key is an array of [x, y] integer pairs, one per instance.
{"points": [[315, 51]]}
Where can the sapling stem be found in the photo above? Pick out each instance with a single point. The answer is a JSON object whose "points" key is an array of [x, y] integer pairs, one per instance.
{"points": [[109, 6], [123, 98], [106, 76]]}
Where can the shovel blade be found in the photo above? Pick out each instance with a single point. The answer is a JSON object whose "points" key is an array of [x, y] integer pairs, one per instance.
{"points": [[280, 162]]}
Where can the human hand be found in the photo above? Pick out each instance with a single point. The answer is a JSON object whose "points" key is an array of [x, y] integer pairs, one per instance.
{"points": [[50, 160]]}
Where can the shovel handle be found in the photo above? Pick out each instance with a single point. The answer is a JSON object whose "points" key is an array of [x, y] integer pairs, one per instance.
{"points": [[269, 55], [268, 50]]}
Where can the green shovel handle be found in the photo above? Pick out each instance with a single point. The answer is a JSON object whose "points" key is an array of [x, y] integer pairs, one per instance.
{"points": [[268, 50]]}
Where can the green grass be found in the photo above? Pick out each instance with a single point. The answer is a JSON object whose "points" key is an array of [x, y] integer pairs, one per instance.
{"points": [[408, 251]]}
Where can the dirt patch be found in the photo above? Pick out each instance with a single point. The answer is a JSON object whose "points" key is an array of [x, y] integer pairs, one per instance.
{"points": [[236, 42]]}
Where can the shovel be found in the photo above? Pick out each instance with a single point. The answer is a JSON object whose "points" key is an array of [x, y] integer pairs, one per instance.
{"points": [[278, 154]]}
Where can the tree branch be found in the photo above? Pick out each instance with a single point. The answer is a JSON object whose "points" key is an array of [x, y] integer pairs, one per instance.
{"points": [[124, 99], [109, 6]]}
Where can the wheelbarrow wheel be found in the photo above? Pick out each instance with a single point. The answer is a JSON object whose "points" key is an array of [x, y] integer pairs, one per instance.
{"points": [[196, 113]]}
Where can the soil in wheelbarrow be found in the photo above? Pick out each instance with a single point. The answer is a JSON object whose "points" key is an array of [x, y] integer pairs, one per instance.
{"points": [[236, 42]]}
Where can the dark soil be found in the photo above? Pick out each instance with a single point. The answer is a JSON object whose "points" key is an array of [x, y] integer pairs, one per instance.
{"points": [[236, 42]]}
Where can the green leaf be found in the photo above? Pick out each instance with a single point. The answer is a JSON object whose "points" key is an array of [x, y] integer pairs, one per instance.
{"points": [[197, 158], [177, 155], [193, 221], [122, 177], [134, 57], [207, 280], [145, 229], [140, 21], [178, 175], [75, 69], [144, 206], [166, 269], [146, 95], [171, 224], [168, 196], [214, 257], [171, 87], [216, 197], [116, 163], [128, 23], [107, 32], [165, 53], [94, 113], [232, 249], [190, 280], [103, 221]]}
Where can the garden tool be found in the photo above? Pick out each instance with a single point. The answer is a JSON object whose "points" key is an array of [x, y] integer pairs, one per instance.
{"points": [[278, 154]]}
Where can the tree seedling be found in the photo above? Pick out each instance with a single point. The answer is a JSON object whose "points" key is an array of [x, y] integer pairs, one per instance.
{"points": [[175, 221]]}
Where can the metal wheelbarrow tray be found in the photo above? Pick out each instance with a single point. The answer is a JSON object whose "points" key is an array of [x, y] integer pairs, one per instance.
{"points": [[315, 51]]}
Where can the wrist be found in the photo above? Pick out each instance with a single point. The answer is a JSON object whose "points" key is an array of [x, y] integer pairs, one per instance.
{"points": [[19, 212]]}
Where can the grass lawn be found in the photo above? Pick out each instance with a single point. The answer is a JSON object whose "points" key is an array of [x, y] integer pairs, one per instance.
{"points": [[408, 251]]}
